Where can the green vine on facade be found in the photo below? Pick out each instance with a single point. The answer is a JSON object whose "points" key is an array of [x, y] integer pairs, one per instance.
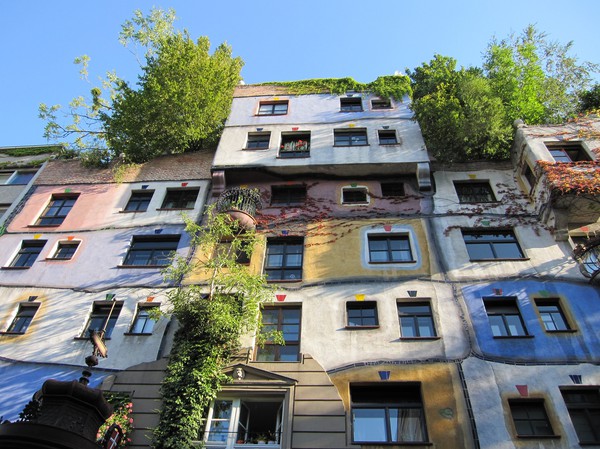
{"points": [[392, 86]]}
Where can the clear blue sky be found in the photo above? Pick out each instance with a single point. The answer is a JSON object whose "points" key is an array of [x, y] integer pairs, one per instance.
{"points": [[278, 40]]}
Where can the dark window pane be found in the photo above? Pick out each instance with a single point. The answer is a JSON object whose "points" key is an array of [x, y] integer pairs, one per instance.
{"points": [[180, 199], [151, 250], [139, 201], [284, 259], [57, 210], [28, 253]]}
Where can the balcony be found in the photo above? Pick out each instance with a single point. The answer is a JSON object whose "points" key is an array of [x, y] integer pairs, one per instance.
{"points": [[295, 145], [241, 205], [588, 257]]}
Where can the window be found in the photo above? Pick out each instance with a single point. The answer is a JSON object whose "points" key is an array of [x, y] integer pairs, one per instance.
{"points": [[504, 317], [416, 320], [29, 251], [180, 198], [362, 314], [387, 137], [351, 104], [3, 208], [355, 195], [21, 177], [284, 259], [23, 318], [65, 250], [552, 315], [349, 138], [285, 320], [232, 422], [530, 418], [56, 212], [474, 192], [392, 189], [143, 323], [295, 145], [584, 409], [389, 248], [288, 195], [151, 250], [273, 108], [242, 255], [103, 318], [567, 151], [258, 141], [529, 175], [390, 413], [491, 245], [381, 103], [139, 201]]}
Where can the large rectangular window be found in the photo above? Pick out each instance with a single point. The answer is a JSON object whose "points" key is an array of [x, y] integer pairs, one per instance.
{"points": [[390, 413], [23, 318], [30, 250], [474, 192], [103, 318], [285, 321], [288, 195], [416, 320], [273, 107], [584, 409], [295, 144], [180, 198], [394, 248], [349, 137], [241, 421], [567, 151], [530, 418], [362, 314], [258, 141], [504, 317], [351, 104], [284, 259], [151, 250], [143, 323], [492, 245], [57, 210], [139, 201]]}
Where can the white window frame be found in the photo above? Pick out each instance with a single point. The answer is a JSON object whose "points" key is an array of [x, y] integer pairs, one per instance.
{"points": [[356, 187], [394, 229]]}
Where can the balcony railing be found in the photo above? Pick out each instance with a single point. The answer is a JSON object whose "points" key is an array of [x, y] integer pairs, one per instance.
{"points": [[241, 204], [588, 257], [297, 148]]}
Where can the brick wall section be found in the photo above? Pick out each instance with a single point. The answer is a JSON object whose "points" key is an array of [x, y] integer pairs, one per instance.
{"points": [[187, 166], [252, 90]]}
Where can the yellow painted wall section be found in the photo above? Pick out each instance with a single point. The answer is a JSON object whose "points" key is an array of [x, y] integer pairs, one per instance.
{"points": [[443, 402]]}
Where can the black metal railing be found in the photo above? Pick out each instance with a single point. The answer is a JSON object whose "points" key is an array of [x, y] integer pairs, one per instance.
{"points": [[588, 257], [245, 200]]}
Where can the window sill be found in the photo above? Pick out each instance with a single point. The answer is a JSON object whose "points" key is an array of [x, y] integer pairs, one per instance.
{"points": [[132, 211], [142, 266], [269, 115], [362, 145], [15, 268], [357, 328], [57, 259], [538, 437], [43, 226], [394, 443], [355, 204], [138, 334], [523, 259], [304, 156], [256, 149], [12, 333], [392, 262], [564, 331], [345, 112], [419, 338], [511, 337], [88, 338], [174, 208], [283, 281]]}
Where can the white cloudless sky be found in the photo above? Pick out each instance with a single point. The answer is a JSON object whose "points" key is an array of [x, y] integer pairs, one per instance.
{"points": [[278, 40]]}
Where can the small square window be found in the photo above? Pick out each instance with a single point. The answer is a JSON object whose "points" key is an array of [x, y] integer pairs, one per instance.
{"points": [[567, 151], [273, 108], [288, 195], [355, 195], [381, 103], [552, 315], [392, 189], [23, 318], [286, 320], [350, 138], [474, 192], [387, 137], [295, 144], [416, 320], [180, 198], [583, 405], [258, 141], [362, 314], [57, 210], [504, 317], [284, 259], [143, 323], [529, 175], [351, 104], [65, 250], [30, 250], [151, 250], [103, 318], [139, 201], [389, 248], [530, 418], [492, 245]]}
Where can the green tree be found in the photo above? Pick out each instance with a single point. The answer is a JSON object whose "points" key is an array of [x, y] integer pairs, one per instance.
{"points": [[460, 117], [211, 317], [536, 79], [589, 100], [179, 103]]}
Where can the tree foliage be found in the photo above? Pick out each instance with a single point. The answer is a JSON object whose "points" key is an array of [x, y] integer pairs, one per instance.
{"points": [[589, 100], [180, 101], [212, 318]]}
